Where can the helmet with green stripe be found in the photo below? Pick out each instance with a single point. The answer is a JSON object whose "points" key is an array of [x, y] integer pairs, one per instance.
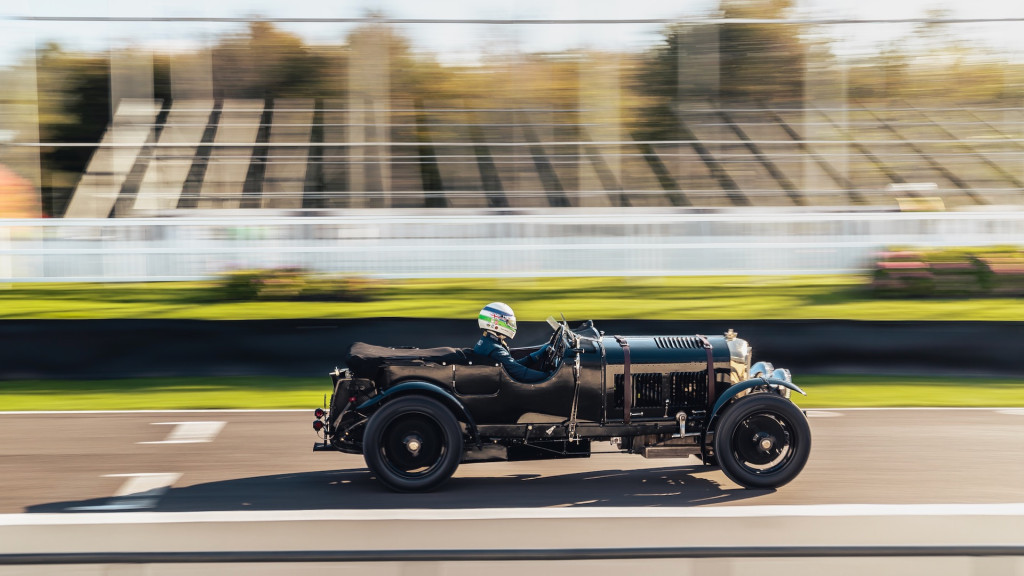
{"points": [[498, 317]]}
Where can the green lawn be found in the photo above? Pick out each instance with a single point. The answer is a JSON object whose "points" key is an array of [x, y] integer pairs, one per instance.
{"points": [[164, 393], [265, 392], [696, 298], [886, 391]]}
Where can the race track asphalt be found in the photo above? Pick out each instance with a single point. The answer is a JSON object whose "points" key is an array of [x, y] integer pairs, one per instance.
{"points": [[264, 461], [233, 480]]}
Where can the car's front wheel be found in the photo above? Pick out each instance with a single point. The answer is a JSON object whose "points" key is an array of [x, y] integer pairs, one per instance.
{"points": [[413, 444], [762, 441]]}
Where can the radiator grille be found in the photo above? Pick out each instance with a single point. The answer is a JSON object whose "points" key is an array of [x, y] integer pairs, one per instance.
{"points": [[688, 388], [678, 342], [647, 390], [682, 389]]}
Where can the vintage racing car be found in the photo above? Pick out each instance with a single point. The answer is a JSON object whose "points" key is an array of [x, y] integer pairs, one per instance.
{"points": [[417, 413]]}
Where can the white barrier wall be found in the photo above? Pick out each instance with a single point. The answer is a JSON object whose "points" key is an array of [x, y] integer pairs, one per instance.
{"points": [[483, 243]]}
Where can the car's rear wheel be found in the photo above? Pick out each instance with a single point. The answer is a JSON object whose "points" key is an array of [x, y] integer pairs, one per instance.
{"points": [[413, 444], [762, 441]]}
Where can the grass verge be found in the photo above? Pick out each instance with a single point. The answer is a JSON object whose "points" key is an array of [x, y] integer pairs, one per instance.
{"points": [[690, 297], [855, 391], [164, 393], [268, 392]]}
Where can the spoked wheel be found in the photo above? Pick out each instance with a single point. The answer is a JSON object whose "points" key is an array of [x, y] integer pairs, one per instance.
{"points": [[413, 444], [762, 441]]}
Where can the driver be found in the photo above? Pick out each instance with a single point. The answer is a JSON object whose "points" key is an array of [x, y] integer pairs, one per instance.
{"points": [[498, 321]]}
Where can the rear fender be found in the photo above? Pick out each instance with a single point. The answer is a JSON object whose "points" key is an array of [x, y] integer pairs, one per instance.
{"points": [[426, 389]]}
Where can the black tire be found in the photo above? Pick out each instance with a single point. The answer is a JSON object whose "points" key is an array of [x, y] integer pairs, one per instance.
{"points": [[762, 441], [413, 444]]}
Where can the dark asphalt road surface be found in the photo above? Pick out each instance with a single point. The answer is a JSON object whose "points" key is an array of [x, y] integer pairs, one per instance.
{"points": [[241, 482], [58, 463]]}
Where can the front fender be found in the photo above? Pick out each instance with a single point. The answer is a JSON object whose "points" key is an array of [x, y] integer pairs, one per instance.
{"points": [[406, 388], [735, 389]]}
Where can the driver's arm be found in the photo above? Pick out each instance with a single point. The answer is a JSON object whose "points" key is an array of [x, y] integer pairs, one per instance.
{"points": [[515, 369]]}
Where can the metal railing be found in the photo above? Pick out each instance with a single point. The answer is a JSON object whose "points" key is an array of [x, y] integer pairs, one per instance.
{"points": [[483, 242], [507, 555]]}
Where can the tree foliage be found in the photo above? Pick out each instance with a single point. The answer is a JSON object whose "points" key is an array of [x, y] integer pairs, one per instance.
{"points": [[701, 64], [74, 106], [761, 62], [266, 62]]}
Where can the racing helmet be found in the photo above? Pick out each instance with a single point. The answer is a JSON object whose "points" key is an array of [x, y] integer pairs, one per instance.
{"points": [[498, 317]]}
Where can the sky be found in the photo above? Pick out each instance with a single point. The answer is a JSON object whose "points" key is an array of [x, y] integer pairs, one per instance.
{"points": [[464, 43]]}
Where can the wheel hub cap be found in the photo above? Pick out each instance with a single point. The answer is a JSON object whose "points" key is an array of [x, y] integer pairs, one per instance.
{"points": [[413, 444], [760, 439]]}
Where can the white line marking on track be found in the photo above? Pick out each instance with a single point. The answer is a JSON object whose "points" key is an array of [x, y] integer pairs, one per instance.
{"points": [[1013, 411], [139, 492], [822, 414], [780, 511], [189, 432]]}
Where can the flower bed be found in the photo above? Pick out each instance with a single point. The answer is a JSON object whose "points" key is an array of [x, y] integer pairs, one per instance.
{"points": [[289, 284], [968, 272]]}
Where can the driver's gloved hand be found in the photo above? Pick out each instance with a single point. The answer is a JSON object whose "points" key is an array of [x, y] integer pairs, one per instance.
{"points": [[539, 354], [535, 359]]}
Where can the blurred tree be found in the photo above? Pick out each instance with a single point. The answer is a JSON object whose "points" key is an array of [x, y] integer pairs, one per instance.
{"points": [[935, 63], [266, 62], [657, 83], [409, 76], [74, 106], [162, 77], [761, 62], [698, 63], [881, 77]]}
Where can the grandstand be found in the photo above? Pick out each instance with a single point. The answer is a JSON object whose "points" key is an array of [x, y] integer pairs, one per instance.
{"points": [[166, 172], [115, 159], [157, 158], [284, 179]]}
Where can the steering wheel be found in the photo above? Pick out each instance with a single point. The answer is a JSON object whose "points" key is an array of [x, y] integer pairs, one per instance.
{"points": [[556, 349]]}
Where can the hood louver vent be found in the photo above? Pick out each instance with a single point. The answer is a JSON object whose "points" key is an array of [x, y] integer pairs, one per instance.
{"points": [[677, 342]]}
